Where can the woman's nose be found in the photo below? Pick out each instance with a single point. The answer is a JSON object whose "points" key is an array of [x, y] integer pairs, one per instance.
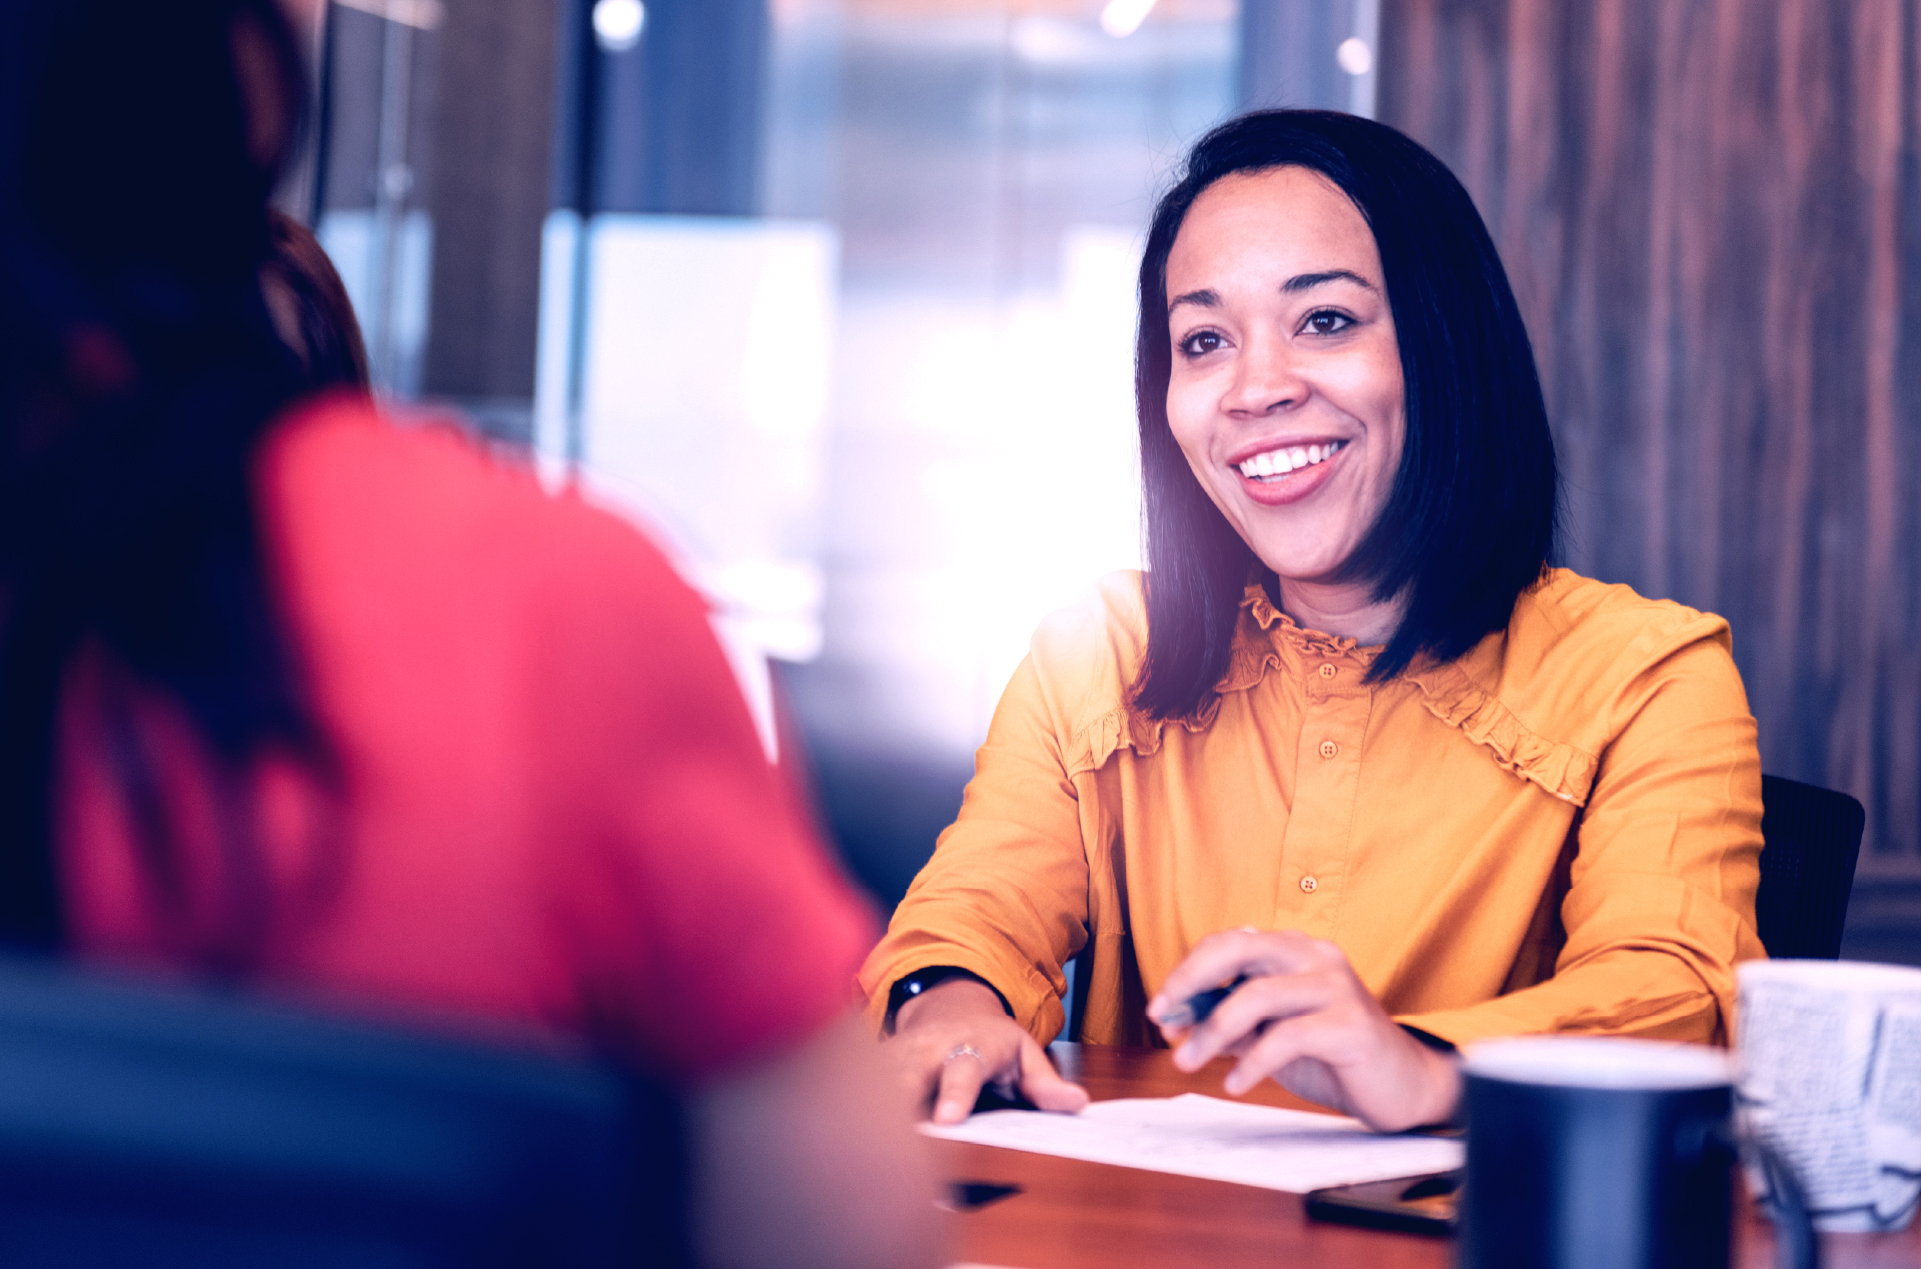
{"points": [[1267, 379]]}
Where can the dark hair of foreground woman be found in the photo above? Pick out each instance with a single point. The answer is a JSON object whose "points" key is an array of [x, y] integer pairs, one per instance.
{"points": [[311, 309], [1470, 522], [138, 369]]}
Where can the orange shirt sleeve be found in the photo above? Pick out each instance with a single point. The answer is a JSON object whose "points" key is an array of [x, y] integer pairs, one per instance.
{"points": [[1005, 894], [1660, 901]]}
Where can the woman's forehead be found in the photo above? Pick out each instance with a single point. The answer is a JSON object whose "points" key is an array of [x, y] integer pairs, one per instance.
{"points": [[1288, 219]]}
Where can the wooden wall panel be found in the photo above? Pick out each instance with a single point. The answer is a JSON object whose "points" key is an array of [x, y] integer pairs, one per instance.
{"points": [[1711, 212]]}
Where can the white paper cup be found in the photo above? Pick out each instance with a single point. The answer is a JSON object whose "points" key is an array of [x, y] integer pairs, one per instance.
{"points": [[1830, 1076]]}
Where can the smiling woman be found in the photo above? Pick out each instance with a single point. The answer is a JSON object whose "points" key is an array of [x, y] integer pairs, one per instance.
{"points": [[1350, 746], [1322, 210]]}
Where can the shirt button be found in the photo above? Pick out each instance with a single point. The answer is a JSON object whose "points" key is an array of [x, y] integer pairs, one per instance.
{"points": [[1327, 671], [1308, 885], [1329, 749]]}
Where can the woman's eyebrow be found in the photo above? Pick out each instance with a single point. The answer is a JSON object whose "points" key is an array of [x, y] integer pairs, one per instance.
{"points": [[1308, 281], [1202, 298]]}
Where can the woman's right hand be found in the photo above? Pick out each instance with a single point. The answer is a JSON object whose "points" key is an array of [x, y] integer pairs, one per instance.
{"points": [[954, 1039]]}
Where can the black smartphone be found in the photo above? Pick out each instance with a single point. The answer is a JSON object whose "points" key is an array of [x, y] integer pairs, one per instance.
{"points": [[965, 1196], [1410, 1205]]}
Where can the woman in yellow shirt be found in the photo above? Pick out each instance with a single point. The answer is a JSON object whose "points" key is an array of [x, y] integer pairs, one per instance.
{"points": [[1350, 739]]}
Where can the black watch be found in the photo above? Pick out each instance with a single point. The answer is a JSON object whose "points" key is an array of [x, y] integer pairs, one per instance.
{"points": [[911, 985]]}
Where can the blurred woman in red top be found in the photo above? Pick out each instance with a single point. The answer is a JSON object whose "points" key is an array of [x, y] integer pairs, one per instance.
{"points": [[295, 697]]}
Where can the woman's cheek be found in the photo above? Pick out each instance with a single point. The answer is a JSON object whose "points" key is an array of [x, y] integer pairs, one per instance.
{"points": [[1186, 422]]}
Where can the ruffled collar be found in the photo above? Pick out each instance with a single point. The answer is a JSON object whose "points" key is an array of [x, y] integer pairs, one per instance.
{"points": [[1265, 630], [1452, 692]]}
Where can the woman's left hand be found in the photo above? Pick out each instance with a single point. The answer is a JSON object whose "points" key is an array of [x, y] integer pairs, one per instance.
{"points": [[1304, 1017]]}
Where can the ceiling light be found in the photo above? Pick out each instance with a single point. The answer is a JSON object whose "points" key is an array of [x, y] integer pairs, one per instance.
{"points": [[617, 24], [1121, 18]]}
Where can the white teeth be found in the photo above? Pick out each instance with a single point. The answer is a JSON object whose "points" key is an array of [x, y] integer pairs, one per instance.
{"points": [[1279, 462]]}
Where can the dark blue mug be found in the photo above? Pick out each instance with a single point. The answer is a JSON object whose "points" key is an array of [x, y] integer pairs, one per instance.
{"points": [[1592, 1153]]}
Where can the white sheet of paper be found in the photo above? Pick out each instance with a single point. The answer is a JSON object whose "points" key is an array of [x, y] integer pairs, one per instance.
{"points": [[1193, 1135]]}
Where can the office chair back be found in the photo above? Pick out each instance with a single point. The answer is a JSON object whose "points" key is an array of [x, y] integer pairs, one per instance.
{"points": [[171, 1128], [1811, 838]]}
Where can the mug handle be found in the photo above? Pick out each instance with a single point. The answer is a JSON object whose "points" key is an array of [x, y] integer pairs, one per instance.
{"points": [[1795, 1243]]}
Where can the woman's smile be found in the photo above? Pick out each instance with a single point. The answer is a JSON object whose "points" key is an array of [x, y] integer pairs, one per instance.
{"points": [[1283, 472]]}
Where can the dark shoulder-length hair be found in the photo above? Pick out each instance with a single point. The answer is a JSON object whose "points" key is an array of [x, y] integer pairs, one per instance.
{"points": [[139, 369], [1470, 521]]}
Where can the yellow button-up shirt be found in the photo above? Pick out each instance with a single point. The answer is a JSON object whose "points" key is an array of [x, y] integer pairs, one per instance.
{"points": [[1560, 831]]}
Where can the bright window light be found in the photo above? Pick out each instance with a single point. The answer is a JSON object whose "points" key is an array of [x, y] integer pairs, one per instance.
{"points": [[1355, 57], [425, 14], [617, 24], [1121, 18]]}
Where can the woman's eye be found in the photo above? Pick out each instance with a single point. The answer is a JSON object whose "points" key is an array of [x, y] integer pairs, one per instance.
{"points": [[1328, 322], [1201, 343]]}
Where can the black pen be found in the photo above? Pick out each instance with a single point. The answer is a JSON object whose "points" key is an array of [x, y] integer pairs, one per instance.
{"points": [[1195, 1009]]}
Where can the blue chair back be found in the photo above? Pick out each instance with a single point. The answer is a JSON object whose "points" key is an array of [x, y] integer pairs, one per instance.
{"points": [[165, 1128]]}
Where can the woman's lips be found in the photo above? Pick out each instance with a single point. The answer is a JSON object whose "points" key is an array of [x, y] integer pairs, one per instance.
{"points": [[1278, 491]]}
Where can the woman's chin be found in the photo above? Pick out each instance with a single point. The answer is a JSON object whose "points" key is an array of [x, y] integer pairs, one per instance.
{"points": [[1294, 567]]}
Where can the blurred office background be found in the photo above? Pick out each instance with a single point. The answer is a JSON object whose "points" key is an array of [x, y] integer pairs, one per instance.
{"points": [[836, 296]]}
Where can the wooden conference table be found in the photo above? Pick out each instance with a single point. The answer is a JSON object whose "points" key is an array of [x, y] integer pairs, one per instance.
{"points": [[1074, 1215]]}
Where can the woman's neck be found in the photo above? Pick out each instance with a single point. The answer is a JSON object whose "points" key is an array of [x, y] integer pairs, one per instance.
{"points": [[1346, 610]]}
